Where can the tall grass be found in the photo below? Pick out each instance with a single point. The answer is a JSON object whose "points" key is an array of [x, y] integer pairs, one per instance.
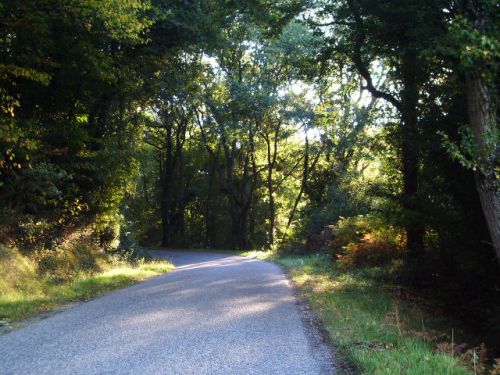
{"points": [[24, 291]]}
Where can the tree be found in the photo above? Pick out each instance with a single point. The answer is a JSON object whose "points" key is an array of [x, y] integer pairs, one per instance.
{"points": [[396, 34], [481, 29]]}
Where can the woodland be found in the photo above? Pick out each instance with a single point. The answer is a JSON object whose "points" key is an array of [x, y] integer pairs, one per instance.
{"points": [[361, 129]]}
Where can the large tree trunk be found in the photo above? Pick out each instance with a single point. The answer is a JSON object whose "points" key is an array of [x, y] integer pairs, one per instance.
{"points": [[174, 195], [209, 205], [305, 177], [481, 104], [271, 162], [166, 216], [239, 231], [239, 192], [239, 225], [166, 172], [482, 121], [409, 154], [165, 225], [272, 209]]}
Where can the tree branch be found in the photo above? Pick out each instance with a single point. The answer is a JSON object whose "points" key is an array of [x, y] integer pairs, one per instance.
{"points": [[361, 65]]}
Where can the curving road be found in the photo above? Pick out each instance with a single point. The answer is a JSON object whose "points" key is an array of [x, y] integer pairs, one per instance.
{"points": [[215, 314]]}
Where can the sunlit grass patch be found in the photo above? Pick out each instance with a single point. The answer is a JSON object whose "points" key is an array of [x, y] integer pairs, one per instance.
{"points": [[88, 286], [24, 292]]}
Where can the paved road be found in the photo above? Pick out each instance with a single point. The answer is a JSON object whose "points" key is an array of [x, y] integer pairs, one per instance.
{"points": [[215, 314]]}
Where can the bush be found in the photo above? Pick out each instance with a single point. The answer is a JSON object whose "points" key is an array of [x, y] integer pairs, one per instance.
{"points": [[78, 252], [362, 241], [128, 248], [63, 264], [369, 252]]}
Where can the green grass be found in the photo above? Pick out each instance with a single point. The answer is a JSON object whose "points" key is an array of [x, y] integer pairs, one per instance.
{"points": [[376, 331], [24, 293]]}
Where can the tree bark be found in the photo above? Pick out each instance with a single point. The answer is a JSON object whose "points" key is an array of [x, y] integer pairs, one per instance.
{"points": [[305, 177], [209, 206], [173, 180], [482, 122], [410, 153], [166, 171], [239, 193], [271, 162]]}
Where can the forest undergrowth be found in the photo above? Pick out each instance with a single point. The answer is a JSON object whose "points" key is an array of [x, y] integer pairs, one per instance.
{"points": [[30, 286]]}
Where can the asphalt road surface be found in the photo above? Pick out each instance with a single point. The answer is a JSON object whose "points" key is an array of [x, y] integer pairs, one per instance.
{"points": [[215, 314]]}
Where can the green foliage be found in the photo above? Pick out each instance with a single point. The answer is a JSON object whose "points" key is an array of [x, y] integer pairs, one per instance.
{"points": [[69, 86], [29, 286], [466, 152], [477, 48], [362, 241]]}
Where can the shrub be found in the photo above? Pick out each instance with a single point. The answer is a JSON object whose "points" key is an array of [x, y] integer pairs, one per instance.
{"points": [[79, 253], [348, 230], [362, 241], [370, 251]]}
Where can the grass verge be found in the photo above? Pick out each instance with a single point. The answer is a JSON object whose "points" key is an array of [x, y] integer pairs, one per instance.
{"points": [[25, 293], [377, 331]]}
